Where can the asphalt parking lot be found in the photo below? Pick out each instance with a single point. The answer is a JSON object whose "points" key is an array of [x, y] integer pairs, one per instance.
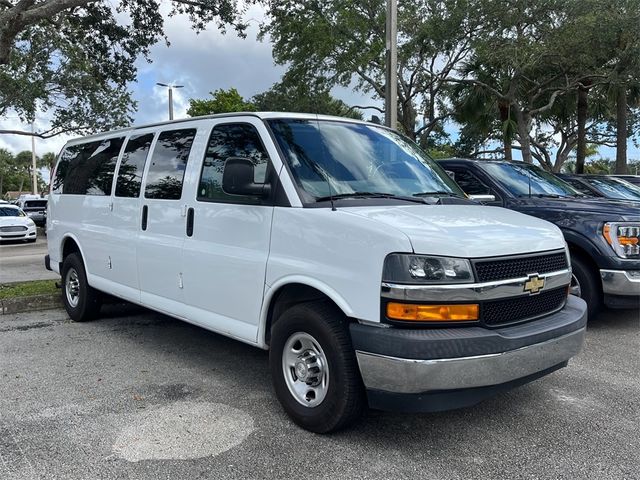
{"points": [[139, 395], [21, 262]]}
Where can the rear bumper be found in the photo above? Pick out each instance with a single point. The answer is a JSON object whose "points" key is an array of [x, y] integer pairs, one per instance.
{"points": [[436, 369]]}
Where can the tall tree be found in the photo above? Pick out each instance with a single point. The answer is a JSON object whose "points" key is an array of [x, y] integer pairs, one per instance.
{"points": [[341, 42], [292, 97], [75, 58], [221, 101]]}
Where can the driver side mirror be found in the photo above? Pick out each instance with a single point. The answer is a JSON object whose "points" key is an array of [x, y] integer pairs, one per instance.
{"points": [[238, 179]]}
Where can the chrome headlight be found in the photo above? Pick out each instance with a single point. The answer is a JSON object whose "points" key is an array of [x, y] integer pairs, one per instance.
{"points": [[422, 269], [623, 237]]}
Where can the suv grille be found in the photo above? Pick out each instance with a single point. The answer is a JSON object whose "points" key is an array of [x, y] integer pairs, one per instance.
{"points": [[490, 270], [511, 310]]}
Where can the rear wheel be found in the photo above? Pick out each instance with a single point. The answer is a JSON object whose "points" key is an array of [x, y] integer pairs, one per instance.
{"points": [[81, 301], [314, 369], [585, 283]]}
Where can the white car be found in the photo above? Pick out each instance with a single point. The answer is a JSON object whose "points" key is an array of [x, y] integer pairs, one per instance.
{"points": [[15, 224]]}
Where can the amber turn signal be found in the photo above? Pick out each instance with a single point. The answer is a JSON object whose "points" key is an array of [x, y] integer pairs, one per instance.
{"points": [[432, 313]]}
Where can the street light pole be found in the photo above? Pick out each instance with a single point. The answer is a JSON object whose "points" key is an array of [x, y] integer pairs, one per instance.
{"points": [[33, 160], [170, 87], [391, 83]]}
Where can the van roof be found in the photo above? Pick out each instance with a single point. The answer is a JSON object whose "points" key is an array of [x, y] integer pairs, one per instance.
{"points": [[260, 115]]}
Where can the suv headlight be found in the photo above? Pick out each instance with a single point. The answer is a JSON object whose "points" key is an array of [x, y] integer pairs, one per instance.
{"points": [[624, 238], [422, 269]]}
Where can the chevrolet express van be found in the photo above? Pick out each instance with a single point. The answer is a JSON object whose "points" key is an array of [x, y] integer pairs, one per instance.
{"points": [[335, 244]]}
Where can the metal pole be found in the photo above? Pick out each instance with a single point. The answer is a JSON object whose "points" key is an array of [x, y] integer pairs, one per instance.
{"points": [[170, 103], [391, 84], [33, 161]]}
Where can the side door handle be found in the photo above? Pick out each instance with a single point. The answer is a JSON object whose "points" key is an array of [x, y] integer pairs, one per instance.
{"points": [[190, 218], [145, 214]]}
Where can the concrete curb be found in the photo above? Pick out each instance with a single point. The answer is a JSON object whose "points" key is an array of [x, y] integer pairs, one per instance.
{"points": [[31, 303]]}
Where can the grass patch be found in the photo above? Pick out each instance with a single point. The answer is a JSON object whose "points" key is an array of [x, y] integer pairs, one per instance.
{"points": [[27, 289]]}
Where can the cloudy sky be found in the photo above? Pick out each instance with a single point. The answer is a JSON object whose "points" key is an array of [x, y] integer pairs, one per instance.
{"points": [[202, 63]]}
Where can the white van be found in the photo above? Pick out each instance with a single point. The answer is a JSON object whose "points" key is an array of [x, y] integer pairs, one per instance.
{"points": [[336, 244]]}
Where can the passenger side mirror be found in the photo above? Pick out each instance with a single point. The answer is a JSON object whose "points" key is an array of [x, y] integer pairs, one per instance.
{"points": [[238, 179], [483, 198]]}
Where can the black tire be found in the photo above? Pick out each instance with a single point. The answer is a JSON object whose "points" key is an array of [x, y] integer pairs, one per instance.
{"points": [[88, 301], [589, 281], [345, 399]]}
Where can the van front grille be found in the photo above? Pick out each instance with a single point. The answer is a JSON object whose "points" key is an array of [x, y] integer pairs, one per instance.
{"points": [[511, 310], [503, 269]]}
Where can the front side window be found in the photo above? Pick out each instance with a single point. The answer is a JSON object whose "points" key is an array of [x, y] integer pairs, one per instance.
{"points": [[523, 180], [168, 164], [87, 168], [226, 141], [331, 158], [470, 183], [132, 166]]}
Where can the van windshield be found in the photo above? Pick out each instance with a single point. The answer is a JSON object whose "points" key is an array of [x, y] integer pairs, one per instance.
{"points": [[332, 158]]}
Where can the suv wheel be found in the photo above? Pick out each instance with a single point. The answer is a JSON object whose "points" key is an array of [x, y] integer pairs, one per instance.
{"points": [[314, 369], [585, 283], [81, 301]]}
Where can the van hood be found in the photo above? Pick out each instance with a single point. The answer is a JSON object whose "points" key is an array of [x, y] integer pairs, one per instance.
{"points": [[469, 231]]}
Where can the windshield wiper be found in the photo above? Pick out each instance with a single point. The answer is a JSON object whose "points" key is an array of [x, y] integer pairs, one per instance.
{"points": [[541, 195], [368, 195], [438, 192]]}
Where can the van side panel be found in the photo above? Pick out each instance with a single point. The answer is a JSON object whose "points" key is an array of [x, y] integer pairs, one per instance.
{"points": [[326, 247]]}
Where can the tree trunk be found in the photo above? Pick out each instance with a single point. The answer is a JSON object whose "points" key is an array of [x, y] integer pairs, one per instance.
{"points": [[524, 127], [621, 130], [582, 113], [504, 109]]}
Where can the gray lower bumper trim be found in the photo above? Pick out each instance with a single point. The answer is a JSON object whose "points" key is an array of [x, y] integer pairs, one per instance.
{"points": [[619, 282], [403, 375]]}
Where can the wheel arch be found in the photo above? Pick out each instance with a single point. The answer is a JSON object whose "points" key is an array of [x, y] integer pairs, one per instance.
{"points": [[290, 291], [70, 244]]}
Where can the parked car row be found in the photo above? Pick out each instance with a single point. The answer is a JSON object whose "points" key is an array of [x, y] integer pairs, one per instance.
{"points": [[15, 224], [340, 247]]}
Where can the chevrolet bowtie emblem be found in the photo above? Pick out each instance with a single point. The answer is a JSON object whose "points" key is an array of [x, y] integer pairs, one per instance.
{"points": [[533, 284]]}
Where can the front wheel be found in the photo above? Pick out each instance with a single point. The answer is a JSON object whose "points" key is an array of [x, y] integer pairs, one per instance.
{"points": [[81, 301], [585, 283], [314, 369]]}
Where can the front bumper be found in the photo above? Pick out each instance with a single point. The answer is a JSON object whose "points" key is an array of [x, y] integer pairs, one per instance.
{"points": [[620, 282], [440, 369]]}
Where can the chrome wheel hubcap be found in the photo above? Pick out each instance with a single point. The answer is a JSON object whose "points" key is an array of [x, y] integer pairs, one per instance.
{"points": [[72, 287], [304, 366], [574, 288]]}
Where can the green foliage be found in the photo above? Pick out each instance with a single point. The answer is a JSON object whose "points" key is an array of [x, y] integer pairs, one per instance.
{"points": [[27, 289], [280, 97], [337, 42], [221, 101], [75, 61], [15, 171], [284, 97]]}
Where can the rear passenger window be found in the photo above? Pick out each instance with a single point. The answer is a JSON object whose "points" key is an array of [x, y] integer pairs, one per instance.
{"points": [[88, 168], [231, 140], [132, 165], [168, 164]]}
